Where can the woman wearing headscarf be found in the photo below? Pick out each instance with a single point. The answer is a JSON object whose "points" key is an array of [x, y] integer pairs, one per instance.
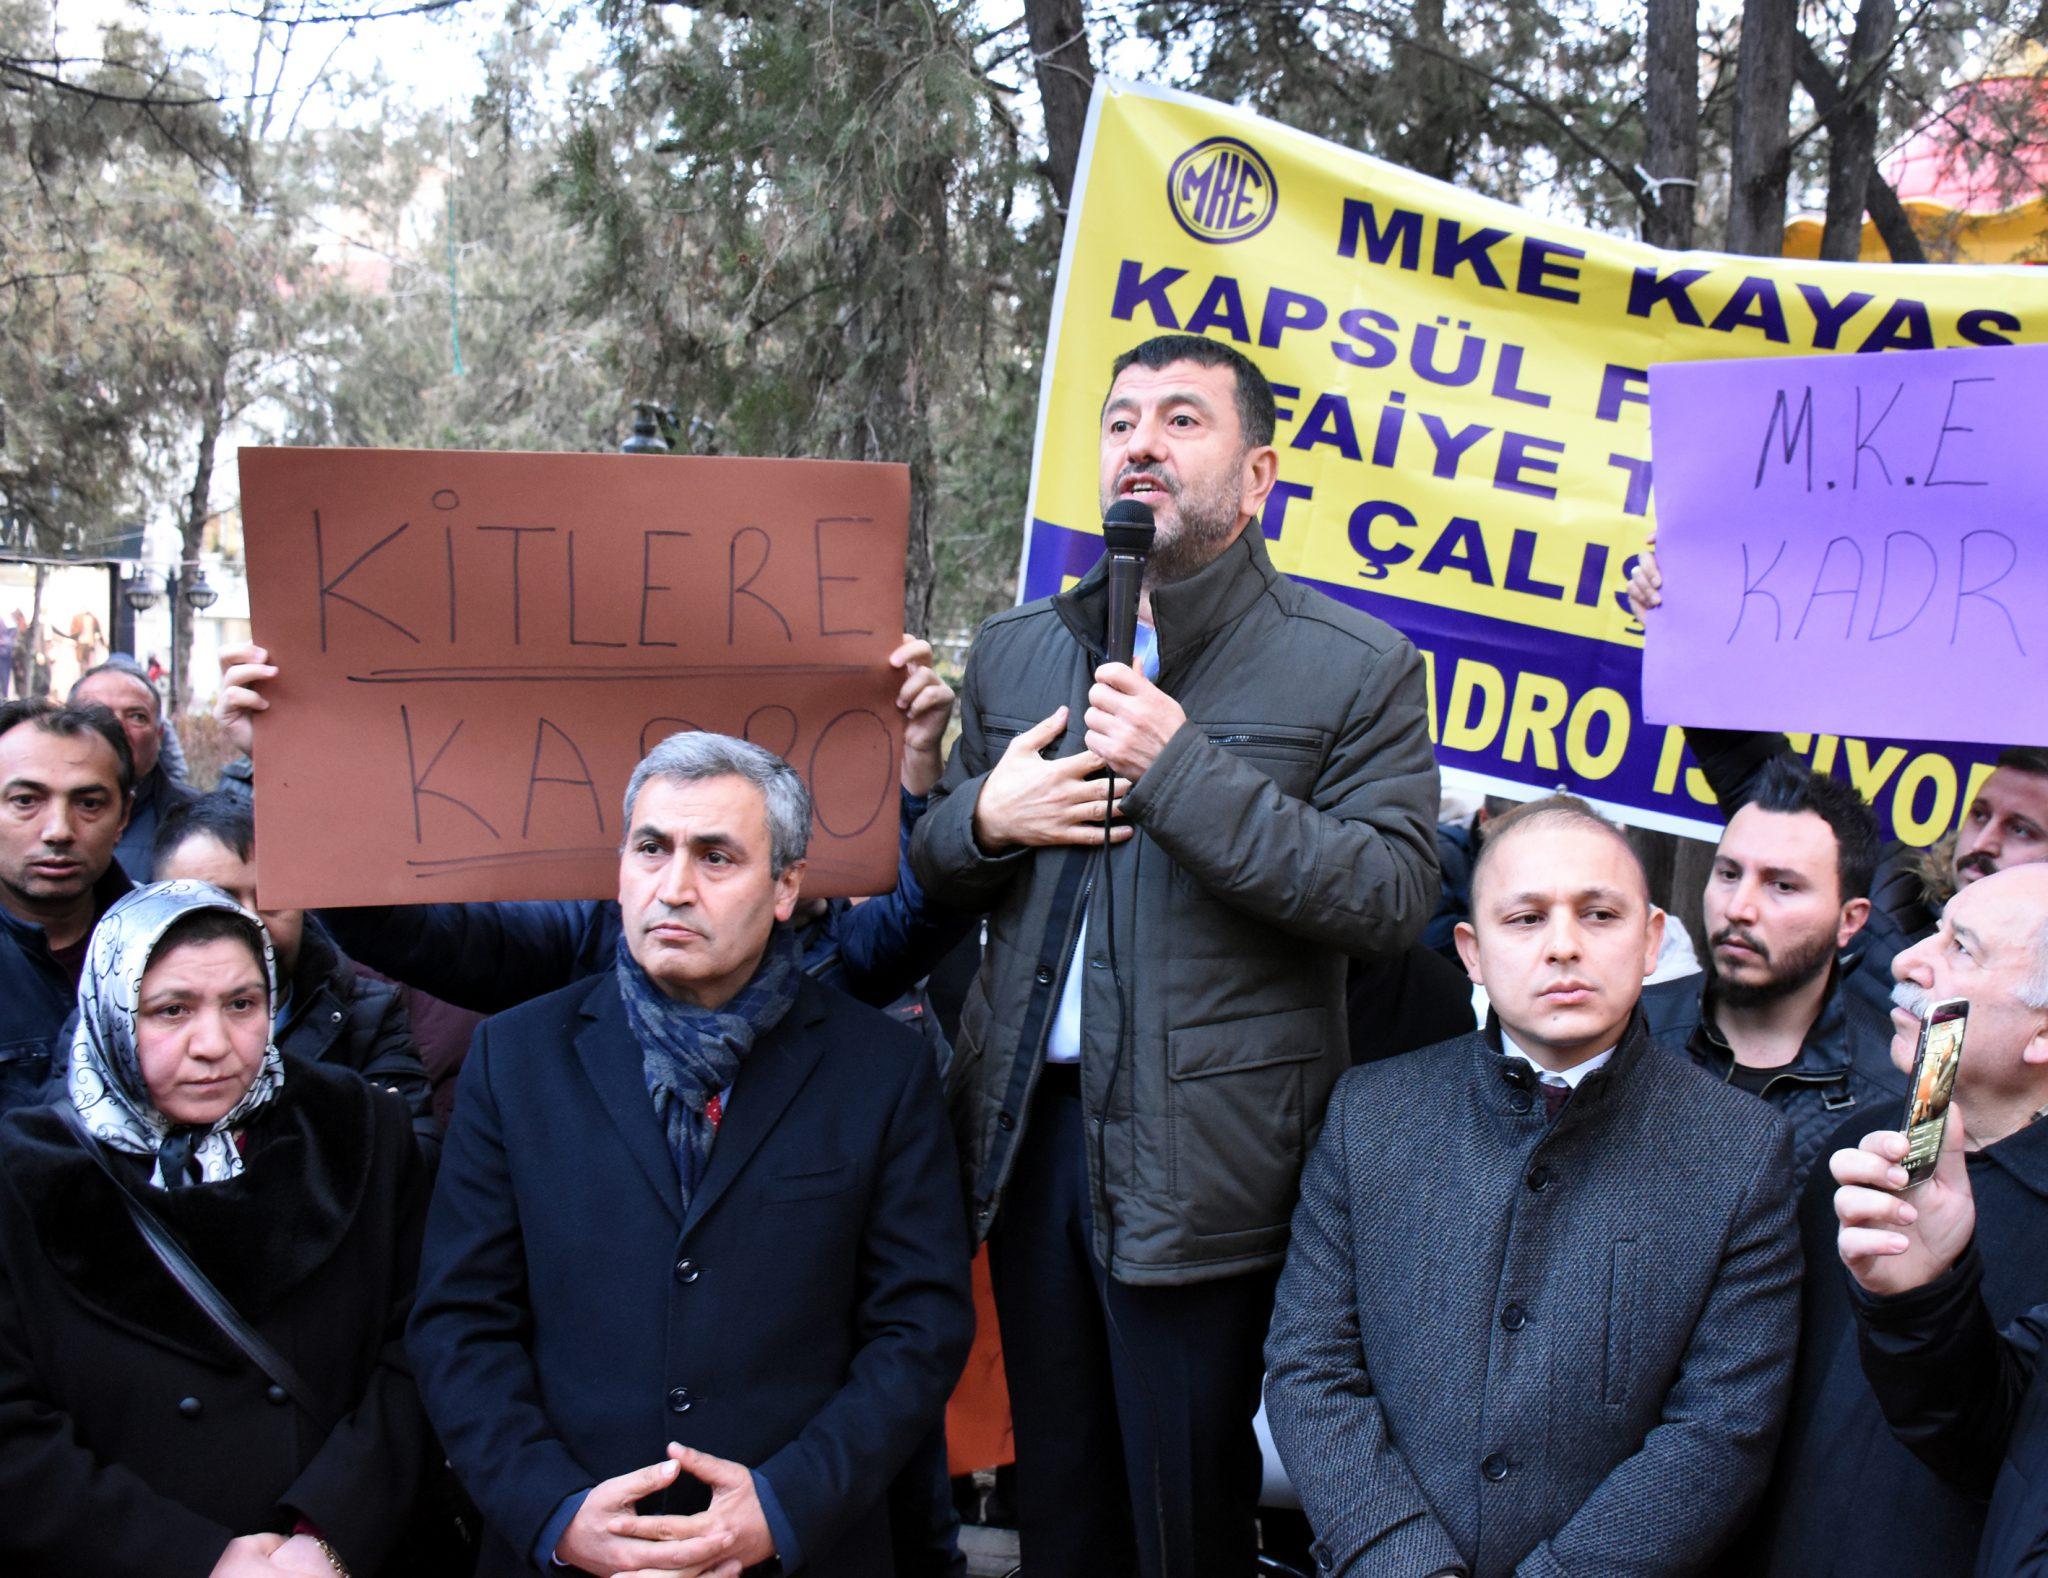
{"points": [[137, 1435]]}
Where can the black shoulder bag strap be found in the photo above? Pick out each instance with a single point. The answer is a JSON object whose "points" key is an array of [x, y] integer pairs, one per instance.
{"points": [[198, 1286]]}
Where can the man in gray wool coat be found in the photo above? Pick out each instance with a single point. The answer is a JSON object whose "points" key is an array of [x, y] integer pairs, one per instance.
{"points": [[1539, 1312]]}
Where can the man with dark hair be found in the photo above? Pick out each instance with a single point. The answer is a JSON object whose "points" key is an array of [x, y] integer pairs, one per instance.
{"points": [[1255, 411], [1511, 1337], [2005, 823], [1160, 1014], [325, 1011], [65, 779], [126, 692], [1785, 897]]}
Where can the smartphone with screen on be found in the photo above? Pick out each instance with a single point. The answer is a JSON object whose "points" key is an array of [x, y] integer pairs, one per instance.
{"points": [[1934, 1080]]}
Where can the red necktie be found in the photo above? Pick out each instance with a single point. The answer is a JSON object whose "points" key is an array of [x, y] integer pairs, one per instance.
{"points": [[714, 1109], [1555, 1095]]}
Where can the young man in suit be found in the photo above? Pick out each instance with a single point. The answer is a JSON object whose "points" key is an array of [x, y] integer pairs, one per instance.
{"points": [[695, 1279], [1511, 1335]]}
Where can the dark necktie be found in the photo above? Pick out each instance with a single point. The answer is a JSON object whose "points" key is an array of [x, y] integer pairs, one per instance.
{"points": [[1555, 1094]]}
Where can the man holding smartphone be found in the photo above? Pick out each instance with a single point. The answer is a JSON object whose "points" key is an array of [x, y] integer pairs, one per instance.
{"points": [[1823, 1518], [1970, 1403], [1589, 1373]]}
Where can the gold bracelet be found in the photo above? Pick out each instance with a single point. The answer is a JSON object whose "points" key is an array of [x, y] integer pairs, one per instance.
{"points": [[333, 1557]]}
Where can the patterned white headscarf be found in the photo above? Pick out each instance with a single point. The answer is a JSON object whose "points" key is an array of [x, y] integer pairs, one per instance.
{"points": [[105, 1075]]}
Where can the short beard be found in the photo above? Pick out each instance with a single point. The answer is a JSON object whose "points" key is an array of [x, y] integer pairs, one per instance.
{"points": [[1194, 550], [1788, 973], [1207, 523]]}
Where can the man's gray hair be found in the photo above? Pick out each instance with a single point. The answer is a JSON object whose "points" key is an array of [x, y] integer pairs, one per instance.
{"points": [[694, 755]]}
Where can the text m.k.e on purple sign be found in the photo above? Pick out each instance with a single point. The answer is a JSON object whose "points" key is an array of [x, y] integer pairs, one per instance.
{"points": [[1853, 545]]}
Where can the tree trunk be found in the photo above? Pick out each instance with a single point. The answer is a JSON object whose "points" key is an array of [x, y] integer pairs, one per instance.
{"points": [[1882, 202], [1672, 110], [1852, 131], [1761, 160], [192, 532], [1066, 77]]}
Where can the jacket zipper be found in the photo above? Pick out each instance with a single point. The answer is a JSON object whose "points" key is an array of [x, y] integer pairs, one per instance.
{"points": [[1286, 740]]}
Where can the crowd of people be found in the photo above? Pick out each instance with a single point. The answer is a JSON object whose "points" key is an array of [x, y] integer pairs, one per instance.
{"points": [[658, 1261]]}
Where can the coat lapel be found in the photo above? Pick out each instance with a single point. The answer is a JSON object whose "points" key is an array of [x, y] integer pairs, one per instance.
{"points": [[774, 1071], [611, 1058]]}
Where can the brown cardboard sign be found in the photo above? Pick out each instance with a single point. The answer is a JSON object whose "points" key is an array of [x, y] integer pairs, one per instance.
{"points": [[476, 649]]}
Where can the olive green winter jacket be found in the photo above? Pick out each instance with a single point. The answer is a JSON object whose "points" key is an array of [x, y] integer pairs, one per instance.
{"points": [[1289, 823]]}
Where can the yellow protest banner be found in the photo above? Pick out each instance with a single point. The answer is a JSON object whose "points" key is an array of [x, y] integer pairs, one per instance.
{"points": [[1464, 421]]}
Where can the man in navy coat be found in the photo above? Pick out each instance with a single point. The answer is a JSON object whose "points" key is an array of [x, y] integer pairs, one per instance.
{"points": [[695, 1277]]}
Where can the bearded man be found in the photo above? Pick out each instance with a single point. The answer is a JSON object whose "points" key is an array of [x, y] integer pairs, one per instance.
{"points": [[1145, 1057], [1787, 895]]}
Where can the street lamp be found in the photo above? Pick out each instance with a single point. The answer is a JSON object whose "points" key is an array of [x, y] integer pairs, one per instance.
{"points": [[646, 437], [199, 595], [140, 591]]}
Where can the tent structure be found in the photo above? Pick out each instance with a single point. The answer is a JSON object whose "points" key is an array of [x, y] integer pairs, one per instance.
{"points": [[1973, 177]]}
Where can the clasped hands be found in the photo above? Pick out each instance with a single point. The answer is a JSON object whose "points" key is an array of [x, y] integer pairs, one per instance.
{"points": [[608, 1536], [1029, 801]]}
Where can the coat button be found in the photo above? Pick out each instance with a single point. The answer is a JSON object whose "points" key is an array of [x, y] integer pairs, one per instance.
{"points": [[1520, 1100], [1006, 1122], [274, 1392], [680, 1400], [1539, 1179], [688, 1271], [190, 1407], [1044, 975], [1514, 1317], [335, 1016], [1494, 1466]]}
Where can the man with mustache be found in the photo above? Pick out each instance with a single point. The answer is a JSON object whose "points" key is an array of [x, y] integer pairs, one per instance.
{"points": [[1512, 1336], [1972, 1404], [1785, 896], [1144, 1058], [1824, 1517], [2005, 824]]}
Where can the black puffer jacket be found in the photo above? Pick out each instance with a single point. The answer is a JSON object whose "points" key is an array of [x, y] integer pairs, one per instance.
{"points": [[1844, 1066]]}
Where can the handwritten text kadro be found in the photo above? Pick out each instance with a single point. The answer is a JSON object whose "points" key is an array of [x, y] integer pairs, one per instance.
{"points": [[477, 648]]}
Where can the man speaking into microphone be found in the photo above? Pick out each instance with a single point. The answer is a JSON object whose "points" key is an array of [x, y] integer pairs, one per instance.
{"points": [[1145, 1057]]}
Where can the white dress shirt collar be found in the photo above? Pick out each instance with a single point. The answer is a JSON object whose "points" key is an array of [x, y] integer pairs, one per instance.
{"points": [[1569, 1077]]}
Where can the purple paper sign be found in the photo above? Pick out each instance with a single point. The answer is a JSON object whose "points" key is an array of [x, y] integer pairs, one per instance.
{"points": [[1853, 544]]}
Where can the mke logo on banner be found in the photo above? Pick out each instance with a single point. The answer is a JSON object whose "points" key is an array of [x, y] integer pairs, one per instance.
{"points": [[1222, 190], [1464, 441]]}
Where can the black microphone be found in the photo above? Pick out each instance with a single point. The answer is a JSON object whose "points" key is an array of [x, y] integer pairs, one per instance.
{"points": [[1127, 537]]}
